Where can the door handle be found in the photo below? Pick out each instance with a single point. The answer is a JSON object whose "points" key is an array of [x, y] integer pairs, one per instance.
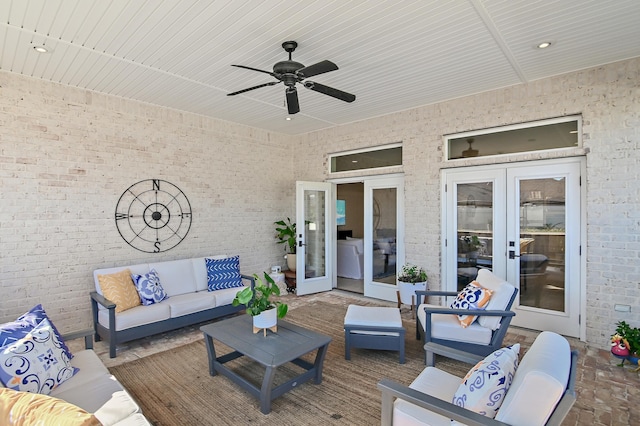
{"points": [[512, 254]]}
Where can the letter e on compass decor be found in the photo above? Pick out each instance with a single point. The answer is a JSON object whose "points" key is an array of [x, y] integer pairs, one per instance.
{"points": [[153, 215]]}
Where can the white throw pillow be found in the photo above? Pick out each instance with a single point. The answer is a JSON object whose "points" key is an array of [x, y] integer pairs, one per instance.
{"points": [[484, 387]]}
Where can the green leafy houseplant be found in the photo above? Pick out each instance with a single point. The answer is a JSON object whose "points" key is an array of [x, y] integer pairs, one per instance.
{"points": [[259, 300], [412, 274], [631, 335], [286, 234]]}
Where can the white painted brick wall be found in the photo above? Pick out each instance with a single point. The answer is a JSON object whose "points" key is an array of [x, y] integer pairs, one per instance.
{"points": [[608, 98], [66, 156]]}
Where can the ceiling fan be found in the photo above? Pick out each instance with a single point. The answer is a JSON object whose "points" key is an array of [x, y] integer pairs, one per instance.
{"points": [[291, 72]]}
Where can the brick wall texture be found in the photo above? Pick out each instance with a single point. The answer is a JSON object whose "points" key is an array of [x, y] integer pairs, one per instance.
{"points": [[66, 156]]}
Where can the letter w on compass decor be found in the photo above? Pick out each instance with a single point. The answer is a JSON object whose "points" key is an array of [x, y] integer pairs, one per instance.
{"points": [[153, 215]]}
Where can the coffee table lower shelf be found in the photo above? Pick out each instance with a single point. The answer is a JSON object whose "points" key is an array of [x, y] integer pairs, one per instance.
{"points": [[276, 349]]}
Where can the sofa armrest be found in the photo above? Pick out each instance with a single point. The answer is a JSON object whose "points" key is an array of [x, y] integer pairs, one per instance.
{"points": [[98, 298], [477, 312], [391, 390], [249, 278], [86, 334]]}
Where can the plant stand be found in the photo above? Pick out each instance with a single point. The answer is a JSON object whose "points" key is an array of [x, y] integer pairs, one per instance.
{"points": [[407, 294], [264, 330]]}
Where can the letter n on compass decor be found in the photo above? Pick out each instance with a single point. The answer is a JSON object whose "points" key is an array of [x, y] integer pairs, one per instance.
{"points": [[153, 215]]}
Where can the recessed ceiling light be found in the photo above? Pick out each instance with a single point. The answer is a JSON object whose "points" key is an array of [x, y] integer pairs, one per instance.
{"points": [[573, 132], [544, 45], [354, 161], [288, 118], [40, 49]]}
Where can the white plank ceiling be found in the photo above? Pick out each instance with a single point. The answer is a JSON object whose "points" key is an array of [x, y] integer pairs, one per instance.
{"points": [[393, 55]]}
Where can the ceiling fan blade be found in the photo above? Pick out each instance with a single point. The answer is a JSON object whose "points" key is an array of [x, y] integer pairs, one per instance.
{"points": [[271, 83], [315, 69], [292, 100], [338, 94], [255, 69]]}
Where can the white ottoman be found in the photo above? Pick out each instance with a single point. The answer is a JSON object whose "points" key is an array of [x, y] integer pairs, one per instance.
{"points": [[370, 327]]}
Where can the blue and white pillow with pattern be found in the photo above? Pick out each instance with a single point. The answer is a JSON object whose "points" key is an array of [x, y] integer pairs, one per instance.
{"points": [[11, 332], [223, 273], [484, 387], [36, 363], [149, 288]]}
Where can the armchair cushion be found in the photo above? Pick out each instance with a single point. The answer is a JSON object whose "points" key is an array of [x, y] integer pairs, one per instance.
{"points": [[473, 296], [484, 387], [447, 326], [501, 292]]}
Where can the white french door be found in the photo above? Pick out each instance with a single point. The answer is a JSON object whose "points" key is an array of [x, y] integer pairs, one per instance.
{"points": [[524, 221], [315, 226], [383, 235]]}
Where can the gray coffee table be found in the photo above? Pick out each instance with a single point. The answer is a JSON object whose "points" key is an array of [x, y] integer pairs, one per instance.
{"points": [[276, 349]]}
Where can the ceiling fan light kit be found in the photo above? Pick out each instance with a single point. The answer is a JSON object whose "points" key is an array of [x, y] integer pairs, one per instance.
{"points": [[291, 72]]}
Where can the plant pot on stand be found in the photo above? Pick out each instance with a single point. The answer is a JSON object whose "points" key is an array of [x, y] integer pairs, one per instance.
{"points": [[266, 320], [291, 261], [407, 293]]}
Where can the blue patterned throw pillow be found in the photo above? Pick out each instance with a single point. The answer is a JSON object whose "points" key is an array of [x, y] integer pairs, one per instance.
{"points": [[36, 363], [11, 332], [484, 387], [223, 273], [149, 288]]}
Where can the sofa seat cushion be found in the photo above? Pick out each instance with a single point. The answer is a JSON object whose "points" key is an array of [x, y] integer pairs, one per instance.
{"points": [[177, 276], [90, 367], [119, 408], [140, 315], [136, 419], [92, 395], [226, 296], [26, 408], [432, 381], [447, 327], [185, 304]]}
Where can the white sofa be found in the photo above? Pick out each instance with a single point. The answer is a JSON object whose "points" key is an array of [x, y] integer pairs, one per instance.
{"points": [[189, 302], [350, 255]]}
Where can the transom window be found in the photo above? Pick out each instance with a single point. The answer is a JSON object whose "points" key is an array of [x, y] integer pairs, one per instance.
{"points": [[536, 136], [371, 158]]}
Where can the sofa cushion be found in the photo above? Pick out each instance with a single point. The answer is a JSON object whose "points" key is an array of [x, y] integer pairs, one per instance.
{"points": [[473, 296], [36, 363], [176, 276], [92, 395], [185, 304], [539, 383], [26, 408], [140, 315], [445, 326], [13, 331], [432, 381], [120, 406], [226, 296], [200, 270], [118, 287], [89, 368], [484, 387], [223, 273], [149, 288]]}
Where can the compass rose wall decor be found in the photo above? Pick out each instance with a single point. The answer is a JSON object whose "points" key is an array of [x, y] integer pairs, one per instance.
{"points": [[153, 215]]}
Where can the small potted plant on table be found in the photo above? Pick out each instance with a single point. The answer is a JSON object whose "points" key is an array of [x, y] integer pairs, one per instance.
{"points": [[410, 279], [265, 312]]}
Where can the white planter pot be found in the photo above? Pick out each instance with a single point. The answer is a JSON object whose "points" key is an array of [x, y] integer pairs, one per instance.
{"points": [[291, 261], [409, 289], [266, 319]]}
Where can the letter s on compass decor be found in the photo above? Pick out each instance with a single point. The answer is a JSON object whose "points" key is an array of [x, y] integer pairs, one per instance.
{"points": [[153, 215]]}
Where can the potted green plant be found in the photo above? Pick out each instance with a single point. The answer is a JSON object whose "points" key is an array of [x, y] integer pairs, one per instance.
{"points": [[410, 279], [286, 234], [265, 312], [625, 343]]}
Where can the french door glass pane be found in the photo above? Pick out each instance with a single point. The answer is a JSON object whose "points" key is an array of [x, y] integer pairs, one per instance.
{"points": [[542, 241], [315, 225], [384, 235], [475, 230]]}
